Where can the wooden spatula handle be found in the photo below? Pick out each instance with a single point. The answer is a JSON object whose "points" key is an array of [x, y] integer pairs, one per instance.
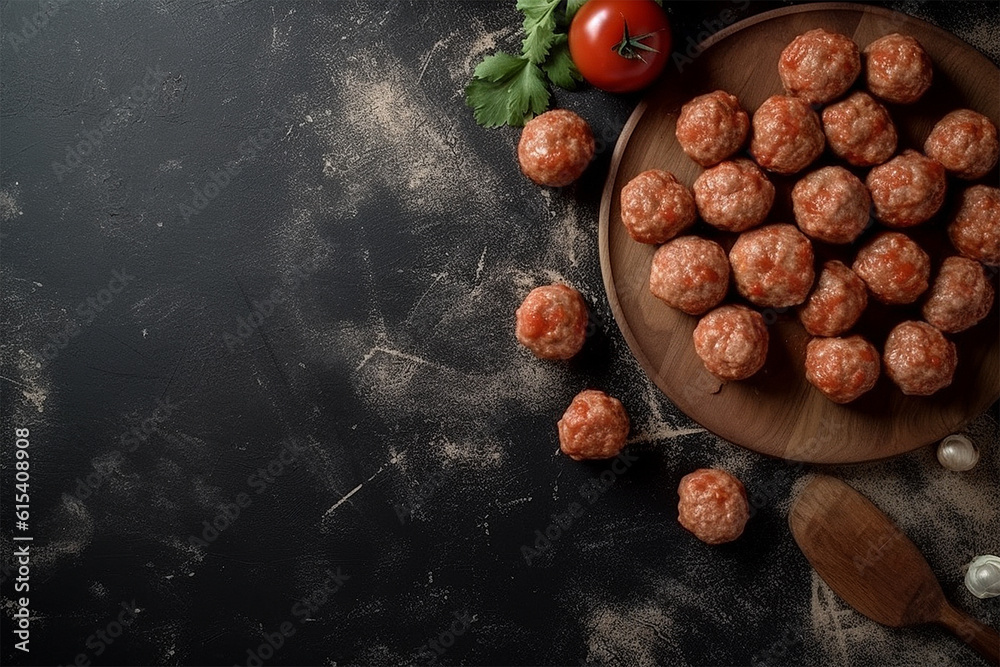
{"points": [[979, 636]]}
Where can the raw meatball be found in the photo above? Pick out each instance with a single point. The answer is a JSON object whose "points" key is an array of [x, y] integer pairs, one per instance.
{"points": [[734, 196], [975, 229], [965, 142], [842, 368], [690, 274], [713, 505], [897, 68], [894, 267], [594, 426], [837, 302], [773, 266], [960, 297], [919, 359], [732, 342], [832, 205], [555, 148], [860, 130], [712, 127], [552, 322], [907, 190], [656, 207], [819, 66], [787, 135]]}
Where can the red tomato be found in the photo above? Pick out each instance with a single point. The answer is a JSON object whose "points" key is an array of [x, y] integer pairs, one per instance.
{"points": [[620, 45]]}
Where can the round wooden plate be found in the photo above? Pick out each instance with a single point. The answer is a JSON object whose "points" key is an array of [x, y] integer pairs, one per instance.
{"points": [[777, 412]]}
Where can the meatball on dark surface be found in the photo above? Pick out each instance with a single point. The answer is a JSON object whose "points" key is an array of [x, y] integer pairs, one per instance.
{"points": [[555, 148], [594, 426], [713, 505], [552, 322]]}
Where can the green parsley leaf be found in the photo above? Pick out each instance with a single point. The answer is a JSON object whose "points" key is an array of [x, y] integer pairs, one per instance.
{"points": [[507, 90], [498, 67], [559, 67], [572, 7], [539, 28]]}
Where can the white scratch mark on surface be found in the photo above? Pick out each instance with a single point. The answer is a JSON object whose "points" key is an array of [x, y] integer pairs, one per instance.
{"points": [[427, 60], [482, 263], [353, 491], [508, 503], [437, 279], [401, 355], [344, 499], [20, 384]]}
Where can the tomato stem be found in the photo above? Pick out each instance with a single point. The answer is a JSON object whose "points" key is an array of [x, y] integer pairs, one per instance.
{"points": [[630, 46]]}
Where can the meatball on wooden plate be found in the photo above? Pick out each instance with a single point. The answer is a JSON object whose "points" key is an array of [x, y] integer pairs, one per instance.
{"points": [[776, 411]]}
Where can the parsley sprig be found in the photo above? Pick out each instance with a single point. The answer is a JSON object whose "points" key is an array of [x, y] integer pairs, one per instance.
{"points": [[510, 90]]}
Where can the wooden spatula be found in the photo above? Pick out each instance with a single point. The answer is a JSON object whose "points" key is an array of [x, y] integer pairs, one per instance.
{"points": [[873, 566]]}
